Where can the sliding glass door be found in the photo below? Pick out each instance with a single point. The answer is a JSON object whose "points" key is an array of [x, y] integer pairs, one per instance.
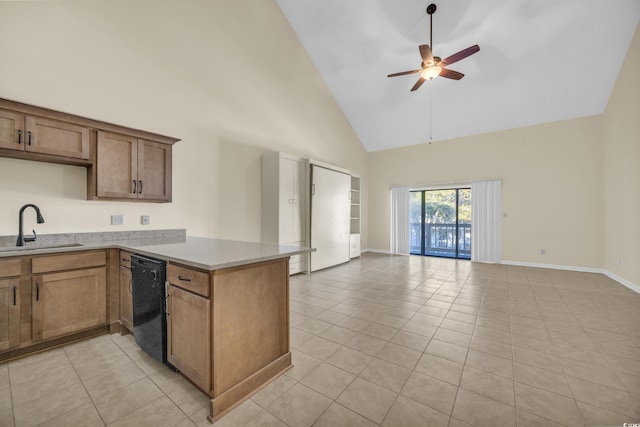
{"points": [[440, 222]]}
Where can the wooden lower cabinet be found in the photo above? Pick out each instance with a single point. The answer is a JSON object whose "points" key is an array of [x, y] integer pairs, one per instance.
{"points": [[67, 302], [9, 313], [126, 298], [10, 290], [189, 335]]}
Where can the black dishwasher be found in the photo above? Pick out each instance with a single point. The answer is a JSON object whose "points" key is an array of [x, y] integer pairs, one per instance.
{"points": [[148, 278]]}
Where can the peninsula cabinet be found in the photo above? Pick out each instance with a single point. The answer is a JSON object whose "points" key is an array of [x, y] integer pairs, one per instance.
{"points": [[189, 324], [33, 134], [127, 167], [9, 304], [228, 329], [68, 294]]}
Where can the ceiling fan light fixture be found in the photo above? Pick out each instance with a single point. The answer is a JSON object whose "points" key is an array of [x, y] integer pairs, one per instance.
{"points": [[431, 73]]}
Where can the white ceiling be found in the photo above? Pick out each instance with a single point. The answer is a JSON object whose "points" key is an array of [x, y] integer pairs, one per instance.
{"points": [[539, 61]]}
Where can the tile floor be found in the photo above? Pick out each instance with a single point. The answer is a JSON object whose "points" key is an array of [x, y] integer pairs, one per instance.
{"points": [[384, 340]]}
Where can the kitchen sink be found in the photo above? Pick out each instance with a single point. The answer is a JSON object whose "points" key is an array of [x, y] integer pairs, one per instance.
{"points": [[33, 248]]}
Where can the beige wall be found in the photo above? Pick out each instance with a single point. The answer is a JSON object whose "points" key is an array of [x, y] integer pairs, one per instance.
{"points": [[551, 186], [622, 171], [229, 78]]}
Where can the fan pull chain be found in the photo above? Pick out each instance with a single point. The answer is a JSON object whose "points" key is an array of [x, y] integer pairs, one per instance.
{"points": [[430, 112]]}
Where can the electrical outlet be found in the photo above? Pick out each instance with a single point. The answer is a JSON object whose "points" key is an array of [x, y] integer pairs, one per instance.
{"points": [[117, 219], [619, 260], [543, 251], [144, 219], [504, 215]]}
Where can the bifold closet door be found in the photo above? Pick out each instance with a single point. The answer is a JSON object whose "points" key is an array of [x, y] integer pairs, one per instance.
{"points": [[330, 211]]}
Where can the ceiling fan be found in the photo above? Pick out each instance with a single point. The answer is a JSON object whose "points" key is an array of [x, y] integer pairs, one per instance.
{"points": [[432, 66]]}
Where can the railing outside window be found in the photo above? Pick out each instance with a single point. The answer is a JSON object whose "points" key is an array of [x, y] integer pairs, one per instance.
{"points": [[441, 239]]}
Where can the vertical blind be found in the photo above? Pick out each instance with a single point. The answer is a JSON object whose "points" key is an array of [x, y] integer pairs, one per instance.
{"points": [[485, 221], [400, 220]]}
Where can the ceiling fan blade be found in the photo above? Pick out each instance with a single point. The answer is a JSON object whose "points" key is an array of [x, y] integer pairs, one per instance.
{"points": [[450, 74], [418, 84], [425, 53], [404, 73], [460, 55]]}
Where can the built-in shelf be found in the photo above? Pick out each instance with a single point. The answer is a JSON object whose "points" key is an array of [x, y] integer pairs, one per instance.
{"points": [[355, 217]]}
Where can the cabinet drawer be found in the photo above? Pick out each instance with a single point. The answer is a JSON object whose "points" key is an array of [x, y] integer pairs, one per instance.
{"points": [[125, 259], [69, 261], [9, 268], [191, 280], [297, 264]]}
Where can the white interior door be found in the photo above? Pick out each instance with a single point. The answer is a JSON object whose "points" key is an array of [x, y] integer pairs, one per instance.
{"points": [[330, 210]]}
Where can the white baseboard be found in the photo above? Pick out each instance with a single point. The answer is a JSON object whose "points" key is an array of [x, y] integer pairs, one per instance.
{"points": [[622, 281], [377, 251], [607, 273], [553, 266]]}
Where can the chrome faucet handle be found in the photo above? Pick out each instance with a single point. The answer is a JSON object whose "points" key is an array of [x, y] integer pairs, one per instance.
{"points": [[31, 238]]}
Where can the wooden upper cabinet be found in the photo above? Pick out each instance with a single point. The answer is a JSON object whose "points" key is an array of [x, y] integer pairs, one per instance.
{"points": [[34, 134], [123, 163], [116, 166], [132, 168], [11, 130], [56, 138], [154, 171]]}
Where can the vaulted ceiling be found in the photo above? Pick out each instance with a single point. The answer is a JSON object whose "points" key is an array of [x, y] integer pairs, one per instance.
{"points": [[539, 61]]}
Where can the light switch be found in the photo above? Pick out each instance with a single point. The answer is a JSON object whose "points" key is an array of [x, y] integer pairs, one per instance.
{"points": [[117, 219]]}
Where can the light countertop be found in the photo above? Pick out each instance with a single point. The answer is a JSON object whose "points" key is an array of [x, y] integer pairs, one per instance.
{"points": [[214, 254], [199, 252]]}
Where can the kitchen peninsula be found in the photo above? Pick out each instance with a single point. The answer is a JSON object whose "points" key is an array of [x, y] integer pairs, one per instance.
{"points": [[227, 302]]}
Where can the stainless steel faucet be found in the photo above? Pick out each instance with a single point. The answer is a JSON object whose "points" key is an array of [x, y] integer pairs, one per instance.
{"points": [[21, 238]]}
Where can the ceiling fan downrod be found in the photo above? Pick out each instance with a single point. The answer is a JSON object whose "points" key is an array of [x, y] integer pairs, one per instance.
{"points": [[431, 9]]}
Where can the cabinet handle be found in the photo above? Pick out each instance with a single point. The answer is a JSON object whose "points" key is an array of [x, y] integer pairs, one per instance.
{"points": [[135, 184], [14, 295], [37, 291], [29, 137], [184, 279], [19, 136], [140, 187], [166, 299]]}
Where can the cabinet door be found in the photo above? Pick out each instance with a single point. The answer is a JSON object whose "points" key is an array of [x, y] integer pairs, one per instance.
{"points": [[67, 302], [126, 305], [330, 210], [299, 207], [116, 166], [189, 335], [9, 313], [154, 171], [58, 138], [12, 133], [291, 201], [286, 200]]}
